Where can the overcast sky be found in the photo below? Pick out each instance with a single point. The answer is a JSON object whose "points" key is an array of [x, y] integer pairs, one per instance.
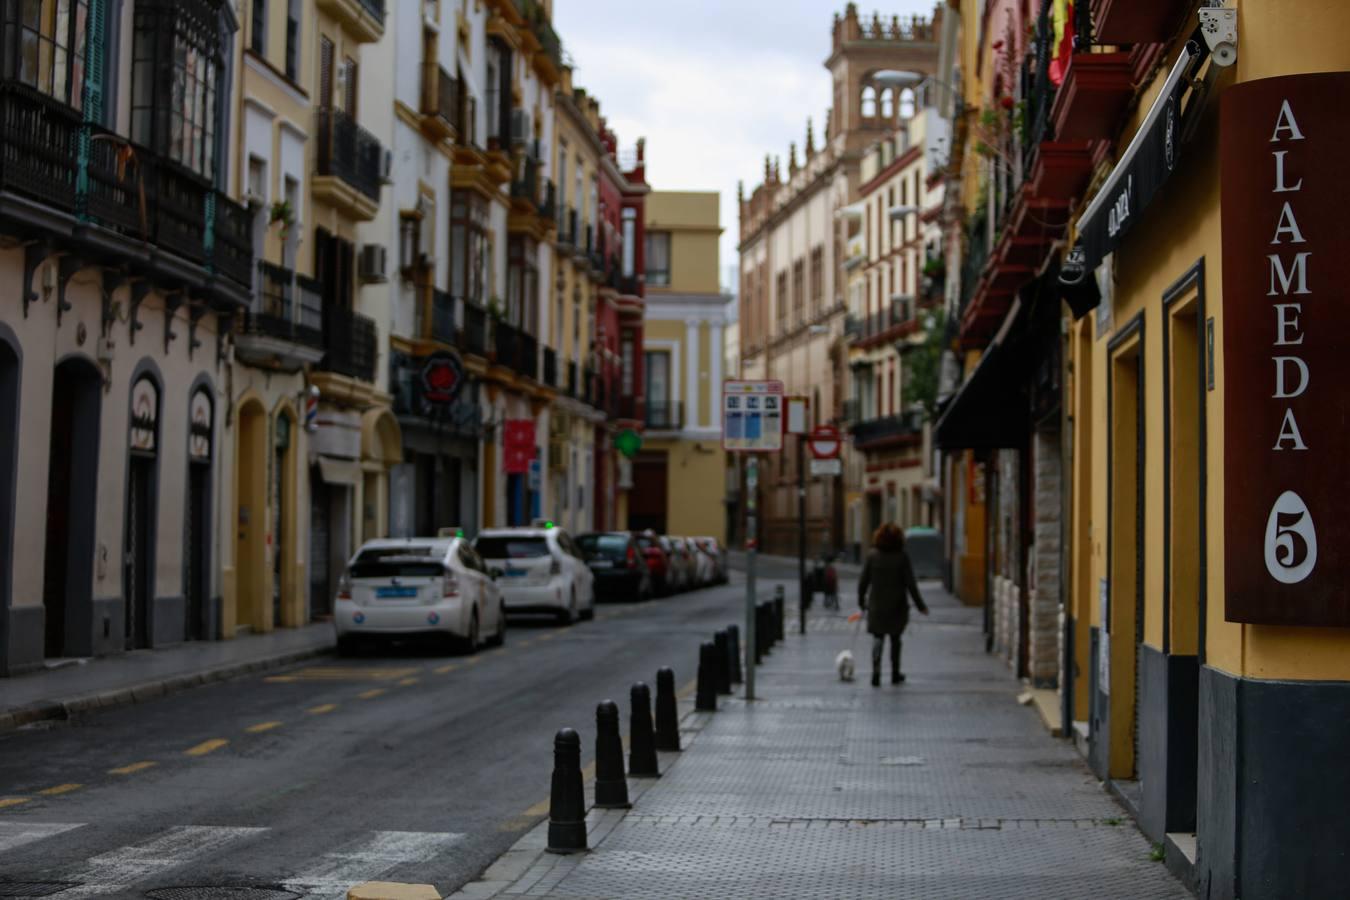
{"points": [[712, 84]]}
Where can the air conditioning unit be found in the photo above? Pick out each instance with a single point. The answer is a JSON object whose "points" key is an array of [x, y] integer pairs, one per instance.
{"points": [[373, 265], [387, 167], [521, 132]]}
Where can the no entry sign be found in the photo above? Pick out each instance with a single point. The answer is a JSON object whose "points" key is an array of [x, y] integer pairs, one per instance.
{"points": [[825, 442]]}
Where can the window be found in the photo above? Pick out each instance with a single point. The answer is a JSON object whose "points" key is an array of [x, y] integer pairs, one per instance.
{"points": [[50, 54], [576, 324], [658, 386], [469, 251], [257, 39], [494, 111], [257, 177], [869, 102], [176, 67], [817, 280], [781, 296], [293, 39], [325, 71], [658, 258], [626, 354], [629, 242], [347, 79], [522, 283], [888, 104], [562, 180], [798, 291]]}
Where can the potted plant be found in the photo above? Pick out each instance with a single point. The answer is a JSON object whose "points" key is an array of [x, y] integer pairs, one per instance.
{"points": [[281, 212]]}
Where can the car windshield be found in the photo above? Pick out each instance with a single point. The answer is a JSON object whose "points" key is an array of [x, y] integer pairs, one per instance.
{"points": [[504, 547], [397, 562], [647, 543], [609, 546]]}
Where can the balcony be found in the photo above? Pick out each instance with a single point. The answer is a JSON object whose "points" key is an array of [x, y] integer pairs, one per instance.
{"points": [[582, 246], [279, 332], [888, 431], [1093, 96], [349, 165], [525, 185], [852, 412], [573, 385], [38, 139], [441, 102], [664, 415], [1136, 21], [529, 356], [231, 251], [588, 387], [443, 325], [362, 19], [349, 342], [892, 323]]}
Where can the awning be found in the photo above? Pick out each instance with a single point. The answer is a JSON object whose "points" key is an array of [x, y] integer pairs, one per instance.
{"points": [[339, 471], [990, 411]]}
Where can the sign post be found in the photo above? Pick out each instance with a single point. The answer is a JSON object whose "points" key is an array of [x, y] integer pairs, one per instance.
{"points": [[824, 443], [752, 422]]}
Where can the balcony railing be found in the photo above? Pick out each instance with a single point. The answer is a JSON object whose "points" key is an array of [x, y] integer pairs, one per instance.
{"points": [[903, 425], [665, 415], [573, 383], [38, 138], [440, 95], [891, 321], [977, 254], [588, 392], [349, 152], [548, 202], [309, 324], [852, 412], [350, 341], [375, 8], [506, 345], [275, 313], [854, 326], [473, 336], [525, 186], [550, 367], [231, 251]]}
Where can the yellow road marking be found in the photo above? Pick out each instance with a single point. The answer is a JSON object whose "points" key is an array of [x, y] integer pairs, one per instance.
{"points": [[542, 807], [370, 694], [261, 727], [342, 673], [525, 643], [446, 670], [60, 789], [320, 710], [407, 682], [547, 637], [133, 768], [6, 802], [687, 689], [473, 660], [206, 747]]}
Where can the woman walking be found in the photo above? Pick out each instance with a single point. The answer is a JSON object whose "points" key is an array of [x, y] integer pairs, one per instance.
{"points": [[890, 578]]}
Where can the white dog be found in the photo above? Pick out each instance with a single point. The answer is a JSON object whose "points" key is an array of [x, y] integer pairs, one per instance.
{"points": [[844, 663]]}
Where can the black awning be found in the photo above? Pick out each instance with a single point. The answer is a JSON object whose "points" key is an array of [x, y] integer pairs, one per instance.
{"points": [[990, 411]]}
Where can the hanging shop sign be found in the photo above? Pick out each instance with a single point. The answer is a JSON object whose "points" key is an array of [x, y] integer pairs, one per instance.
{"points": [[144, 415], [1287, 392], [1146, 164], [442, 377], [518, 446]]}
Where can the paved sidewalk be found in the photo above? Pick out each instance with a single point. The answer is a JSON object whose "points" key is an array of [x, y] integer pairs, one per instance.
{"points": [[943, 787], [78, 686]]}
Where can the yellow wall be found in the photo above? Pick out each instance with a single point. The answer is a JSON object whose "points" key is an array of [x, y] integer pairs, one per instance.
{"points": [[692, 220], [696, 480], [1180, 228]]}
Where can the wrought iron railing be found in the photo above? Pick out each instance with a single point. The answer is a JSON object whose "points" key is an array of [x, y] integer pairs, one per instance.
{"points": [[977, 254], [525, 186], [350, 341], [506, 345], [527, 362], [443, 325], [550, 372], [231, 252], [473, 333], [38, 146], [902, 425], [440, 93], [375, 8], [180, 211], [665, 415], [349, 152], [573, 384], [309, 322], [548, 200]]}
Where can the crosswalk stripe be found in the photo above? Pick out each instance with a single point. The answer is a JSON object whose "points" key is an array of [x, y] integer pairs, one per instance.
{"points": [[333, 874], [117, 870], [17, 834]]}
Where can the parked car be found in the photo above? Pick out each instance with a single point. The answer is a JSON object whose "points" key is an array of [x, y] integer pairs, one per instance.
{"points": [[657, 551], [621, 571], [543, 571], [687, 566], [712, 548], [924, 546], [418, 588]]}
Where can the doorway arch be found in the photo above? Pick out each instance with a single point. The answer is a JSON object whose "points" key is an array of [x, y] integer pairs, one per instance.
{"points": [[381, 448], [72, 502], [253, 603], [199, 616], [140, 534]]}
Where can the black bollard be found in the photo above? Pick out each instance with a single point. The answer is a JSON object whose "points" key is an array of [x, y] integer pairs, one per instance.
{"points": [[761, 634], [641, 742], [705, 700], [721, 643], [667, 719], [734, 654], [567, 803], [778, 614], [611, 787]]}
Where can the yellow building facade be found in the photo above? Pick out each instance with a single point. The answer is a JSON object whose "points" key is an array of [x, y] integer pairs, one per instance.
{"points": [[679, 477]]}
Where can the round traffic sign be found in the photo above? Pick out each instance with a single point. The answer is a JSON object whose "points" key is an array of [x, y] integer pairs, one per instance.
{"points": [[825, 442]]}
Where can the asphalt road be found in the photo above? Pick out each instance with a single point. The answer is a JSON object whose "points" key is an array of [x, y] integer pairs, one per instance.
{"points": [[406, 766]]}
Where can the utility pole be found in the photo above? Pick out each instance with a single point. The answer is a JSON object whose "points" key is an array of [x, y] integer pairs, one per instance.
{"points": [[802, 591], [751, 542]]}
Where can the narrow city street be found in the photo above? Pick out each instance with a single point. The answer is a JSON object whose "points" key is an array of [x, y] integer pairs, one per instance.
{"points": [[407, 765]]}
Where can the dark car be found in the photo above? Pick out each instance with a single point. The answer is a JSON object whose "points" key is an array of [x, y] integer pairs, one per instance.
{"points": [[618, 564], [656, 550]]}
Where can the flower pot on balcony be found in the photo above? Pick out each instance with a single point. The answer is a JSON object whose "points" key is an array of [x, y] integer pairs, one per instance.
{"points": [[1090, 102]]}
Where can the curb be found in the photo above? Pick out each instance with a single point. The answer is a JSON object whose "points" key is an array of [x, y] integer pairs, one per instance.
{"points": [[48, 710]]}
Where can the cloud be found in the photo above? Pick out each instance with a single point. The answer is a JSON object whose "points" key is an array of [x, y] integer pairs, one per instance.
{"points": [[713, 85]]}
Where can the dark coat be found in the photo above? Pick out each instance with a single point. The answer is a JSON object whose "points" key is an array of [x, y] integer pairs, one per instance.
{"points": [[890, 577]]}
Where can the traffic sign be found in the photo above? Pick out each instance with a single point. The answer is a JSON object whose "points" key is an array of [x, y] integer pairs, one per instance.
{"points": [[752, 416], [825, 442], [798, 421], [831, 466]]}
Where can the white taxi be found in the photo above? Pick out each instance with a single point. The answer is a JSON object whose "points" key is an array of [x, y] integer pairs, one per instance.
{"points": [[543, 571], [418, 587]]}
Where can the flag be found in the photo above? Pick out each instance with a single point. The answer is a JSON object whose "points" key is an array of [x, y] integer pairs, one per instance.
{"points": [[1062, 40]]}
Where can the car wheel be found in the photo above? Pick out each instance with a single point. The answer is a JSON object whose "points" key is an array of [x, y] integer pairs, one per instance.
{"points": [[348, 645], [471, 641], [569, 615], [499, 637], [589, 612]]}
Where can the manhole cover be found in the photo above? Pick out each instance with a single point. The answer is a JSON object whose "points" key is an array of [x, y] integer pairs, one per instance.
{"points": [[217, 892], [33, 888]]}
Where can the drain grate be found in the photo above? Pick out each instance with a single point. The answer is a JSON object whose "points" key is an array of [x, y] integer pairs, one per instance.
{"points": [[221, 892], [34, 888]]}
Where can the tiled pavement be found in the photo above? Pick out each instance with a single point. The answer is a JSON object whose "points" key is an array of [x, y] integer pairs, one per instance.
{"points": [[943, 787]]}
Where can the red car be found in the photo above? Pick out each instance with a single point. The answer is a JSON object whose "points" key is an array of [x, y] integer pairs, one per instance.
{"points": [[656, 550]]}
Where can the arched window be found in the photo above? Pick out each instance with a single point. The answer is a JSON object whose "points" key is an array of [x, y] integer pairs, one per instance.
{"points": [[907, 104], [888, 104], [869, 102]]}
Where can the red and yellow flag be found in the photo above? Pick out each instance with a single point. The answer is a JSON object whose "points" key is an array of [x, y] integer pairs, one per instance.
{"points": [[1062, 39]]}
